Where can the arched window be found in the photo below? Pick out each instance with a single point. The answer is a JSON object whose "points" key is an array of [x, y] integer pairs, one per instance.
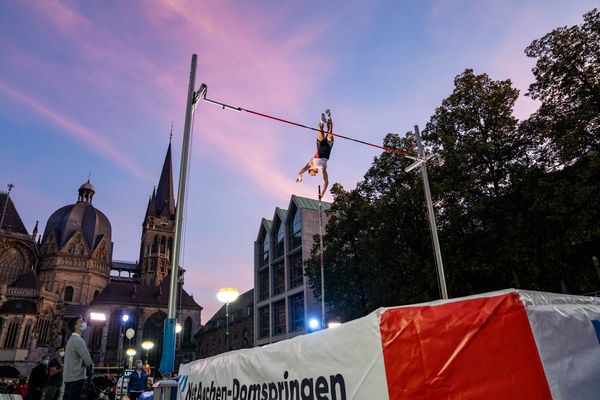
{"points": [[68, 296], [155, 245], [44, 328], [163, 245], [12, 265], [295, 230], [170, 246], [279, 240], [153, 330], [96, 293], [10, 340], [187, 330], [25, 337]]}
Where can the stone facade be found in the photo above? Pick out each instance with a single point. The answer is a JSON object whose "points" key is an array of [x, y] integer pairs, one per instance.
{"points": [[70, 272]]}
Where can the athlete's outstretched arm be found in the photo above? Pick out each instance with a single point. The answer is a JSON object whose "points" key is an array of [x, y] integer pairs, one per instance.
{"points": [[303, 170]]}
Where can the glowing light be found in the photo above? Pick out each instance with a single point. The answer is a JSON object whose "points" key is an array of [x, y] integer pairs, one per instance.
{"points": [[313, 323], [147, 345], [97, 316], [131, 352], [125, 317], [227, 295], [178, 328]]}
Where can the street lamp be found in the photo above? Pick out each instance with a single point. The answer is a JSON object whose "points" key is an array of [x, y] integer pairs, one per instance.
{"points": [[227, 295], [178, 328], [147, 345], [124, 319], [131, 353]]}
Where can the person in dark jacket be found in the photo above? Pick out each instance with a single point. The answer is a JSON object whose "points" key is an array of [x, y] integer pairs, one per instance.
{"points": [[55, 376], [37, 379], [138, 381]]}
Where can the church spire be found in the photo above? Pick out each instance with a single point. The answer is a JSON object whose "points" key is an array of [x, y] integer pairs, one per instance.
{"points": [[165, 199]]}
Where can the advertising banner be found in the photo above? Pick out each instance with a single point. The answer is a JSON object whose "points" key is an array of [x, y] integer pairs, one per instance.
{"points": [[509, 344]]}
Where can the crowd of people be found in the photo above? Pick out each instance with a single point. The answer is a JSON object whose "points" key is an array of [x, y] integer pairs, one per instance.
{"points": [[64, 376]]}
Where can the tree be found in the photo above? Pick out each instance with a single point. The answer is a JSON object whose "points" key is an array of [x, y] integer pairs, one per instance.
{"points": [[567, 74], [475, 135]]}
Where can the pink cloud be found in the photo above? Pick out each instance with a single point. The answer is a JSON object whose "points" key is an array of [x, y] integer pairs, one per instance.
{"points": [[93, 140], [244, 63]]}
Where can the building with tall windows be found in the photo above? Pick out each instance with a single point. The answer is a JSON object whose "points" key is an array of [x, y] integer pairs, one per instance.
{"points": [[283, 301]]}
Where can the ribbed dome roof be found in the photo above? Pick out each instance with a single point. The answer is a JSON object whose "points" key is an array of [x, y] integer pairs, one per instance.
{"points": [[79, 216]]}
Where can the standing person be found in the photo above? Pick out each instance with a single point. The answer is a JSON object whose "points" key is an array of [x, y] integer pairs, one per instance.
{"points": [[324, 145], [77, 359], [138, 381], [37, 379], [55, 376]]}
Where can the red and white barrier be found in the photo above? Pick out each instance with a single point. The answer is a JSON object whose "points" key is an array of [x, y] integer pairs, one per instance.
{"points": [[502, 345]]}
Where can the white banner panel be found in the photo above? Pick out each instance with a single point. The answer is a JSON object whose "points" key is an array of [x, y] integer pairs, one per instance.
{"points": [[568, 342], [342, 363]]}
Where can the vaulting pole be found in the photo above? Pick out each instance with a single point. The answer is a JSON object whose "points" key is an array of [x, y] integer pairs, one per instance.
{"points": [[167, 362]]}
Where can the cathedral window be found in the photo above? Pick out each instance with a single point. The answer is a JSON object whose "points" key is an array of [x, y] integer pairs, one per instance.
{"points": [[12, 265], [10, 340], [155, 245], [25, 337], [43, 328], [68, 296], [163, 245]]}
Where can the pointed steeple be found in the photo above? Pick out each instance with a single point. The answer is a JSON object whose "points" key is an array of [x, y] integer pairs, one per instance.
{"points": [[165, 200], [35, 231]]}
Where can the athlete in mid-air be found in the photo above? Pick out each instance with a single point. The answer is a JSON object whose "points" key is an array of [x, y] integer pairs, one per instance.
{"points": [[324, 145]]}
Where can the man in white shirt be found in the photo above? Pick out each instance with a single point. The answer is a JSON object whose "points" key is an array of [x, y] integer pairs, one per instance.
{"points": [[77, 359]]}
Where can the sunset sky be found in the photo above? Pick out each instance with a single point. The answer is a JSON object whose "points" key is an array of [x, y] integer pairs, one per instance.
{"points": [[91, 87]]}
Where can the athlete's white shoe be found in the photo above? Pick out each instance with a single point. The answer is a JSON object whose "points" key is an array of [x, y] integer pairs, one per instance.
{"points": [[299, 178]]}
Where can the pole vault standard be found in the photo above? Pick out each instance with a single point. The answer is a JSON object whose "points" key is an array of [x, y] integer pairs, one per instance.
{"points": [[167, 362], [323, 317], [439, 266]]}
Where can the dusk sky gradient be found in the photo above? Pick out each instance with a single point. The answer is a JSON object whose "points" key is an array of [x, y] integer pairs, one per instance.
{"points": [[93, 86]]}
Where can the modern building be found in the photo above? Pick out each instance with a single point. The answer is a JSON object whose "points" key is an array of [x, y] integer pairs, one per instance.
{"points": [[212, 337], [284, 302], [70, 272]]}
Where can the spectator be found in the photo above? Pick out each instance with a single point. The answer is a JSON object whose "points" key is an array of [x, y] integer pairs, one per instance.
{"points": [[37, 379], [55, 376], [138, 381], [77, 358]]}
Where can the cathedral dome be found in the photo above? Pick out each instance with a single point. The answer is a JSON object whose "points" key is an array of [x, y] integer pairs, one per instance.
{"points": [[81, 216]]}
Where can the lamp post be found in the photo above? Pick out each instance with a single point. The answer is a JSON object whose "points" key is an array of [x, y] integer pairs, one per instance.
{"points": [[227, 295], [131, 353], [147, 345], [124, 319]]}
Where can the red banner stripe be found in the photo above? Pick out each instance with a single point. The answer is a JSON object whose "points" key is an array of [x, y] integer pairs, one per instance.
{"points": [[480, 348]]}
